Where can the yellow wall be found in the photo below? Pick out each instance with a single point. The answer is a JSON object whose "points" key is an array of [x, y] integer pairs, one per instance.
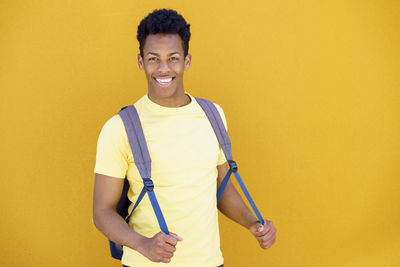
{"points": [[310, 90]]}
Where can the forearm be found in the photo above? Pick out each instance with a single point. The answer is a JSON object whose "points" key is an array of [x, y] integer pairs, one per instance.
{"points": [[233, 207], [116, 229]]}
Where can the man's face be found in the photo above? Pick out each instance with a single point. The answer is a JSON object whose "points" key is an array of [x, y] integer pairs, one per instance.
{"points": [[164, 64]]}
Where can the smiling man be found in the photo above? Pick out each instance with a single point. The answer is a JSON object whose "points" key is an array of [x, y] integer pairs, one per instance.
{"points": [[187, 163]]}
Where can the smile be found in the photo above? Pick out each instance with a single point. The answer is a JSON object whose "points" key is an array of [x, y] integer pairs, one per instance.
{"points": [[164, 82]]}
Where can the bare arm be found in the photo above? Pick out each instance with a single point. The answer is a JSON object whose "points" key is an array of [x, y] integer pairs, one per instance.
{"points": [[231, 203], [107, 192], [233, 207]]}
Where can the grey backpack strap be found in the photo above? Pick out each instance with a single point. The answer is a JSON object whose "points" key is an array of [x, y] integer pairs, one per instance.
{"points": [[141, 157], [218, 126], [137, 140], [142, 160]]}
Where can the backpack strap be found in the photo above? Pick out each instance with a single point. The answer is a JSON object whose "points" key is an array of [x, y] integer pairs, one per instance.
{"points": [[142, 160], [141, 156], [225, 143]]}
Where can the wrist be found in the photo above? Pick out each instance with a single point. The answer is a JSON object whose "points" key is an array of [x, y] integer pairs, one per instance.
{"points": [[252, 221], [136, 242]]}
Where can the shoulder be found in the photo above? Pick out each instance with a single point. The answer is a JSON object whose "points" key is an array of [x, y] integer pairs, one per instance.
{"points": [[113, 128], [220, 111], [222, 114], [219, 108], [114, 123]]}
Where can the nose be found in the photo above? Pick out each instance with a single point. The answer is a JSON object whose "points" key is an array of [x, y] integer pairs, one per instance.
{"points": [[163, 66]]}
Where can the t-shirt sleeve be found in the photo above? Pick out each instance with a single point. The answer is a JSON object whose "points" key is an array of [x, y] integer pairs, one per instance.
{"points": [[221, 156], [112, 149]]}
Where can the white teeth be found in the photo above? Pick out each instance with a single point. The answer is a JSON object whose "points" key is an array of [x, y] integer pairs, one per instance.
{"points": [[164, 80]]}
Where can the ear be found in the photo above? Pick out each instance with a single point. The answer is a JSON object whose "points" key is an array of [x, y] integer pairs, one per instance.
{"points": [[188, 61], [140, 62]]}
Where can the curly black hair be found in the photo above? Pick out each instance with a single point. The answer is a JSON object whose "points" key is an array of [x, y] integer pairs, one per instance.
{"points": [[164, 21]]}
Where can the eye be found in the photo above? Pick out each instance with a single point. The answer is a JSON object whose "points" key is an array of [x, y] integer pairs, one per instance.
{"points": [[152, 59], [174, 58]]}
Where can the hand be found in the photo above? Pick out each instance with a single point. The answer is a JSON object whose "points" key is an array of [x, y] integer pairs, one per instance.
{"points": [[159, 248], [265, 234]]}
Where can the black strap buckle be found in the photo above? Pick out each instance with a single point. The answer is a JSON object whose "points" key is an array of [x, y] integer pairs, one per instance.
{"points": [[148, 184], [232, 165]]}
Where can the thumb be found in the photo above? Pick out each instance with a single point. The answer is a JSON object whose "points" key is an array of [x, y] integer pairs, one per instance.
{"points": [[260, 227]]}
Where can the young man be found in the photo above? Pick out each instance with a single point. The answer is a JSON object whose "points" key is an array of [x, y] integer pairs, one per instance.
{"points": [[187, 163]]}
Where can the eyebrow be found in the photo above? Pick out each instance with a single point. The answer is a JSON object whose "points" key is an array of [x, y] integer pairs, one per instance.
{"points": [[170, 54]]}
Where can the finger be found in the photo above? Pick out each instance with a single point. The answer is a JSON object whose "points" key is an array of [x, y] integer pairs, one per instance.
{"points": [[268, 225], [170, 239], [260, 227], [267, 240], [265, 228], [167, 254], [258, 234], [268, 236], [259, 230], [267, 245], [177, 237], [169, 248], [166, 260], [271, 243]]}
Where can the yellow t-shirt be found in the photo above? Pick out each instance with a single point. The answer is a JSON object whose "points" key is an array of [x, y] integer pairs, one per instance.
{"points": [[184, 152]]}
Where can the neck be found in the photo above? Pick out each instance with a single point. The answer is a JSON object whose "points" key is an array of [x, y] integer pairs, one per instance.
{"points": [[173, 101]]}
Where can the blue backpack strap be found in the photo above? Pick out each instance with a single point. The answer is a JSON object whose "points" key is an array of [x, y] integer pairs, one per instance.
{"points": [[141, 156], [225, 143]]}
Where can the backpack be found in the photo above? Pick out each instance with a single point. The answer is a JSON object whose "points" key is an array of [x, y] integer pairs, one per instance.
{"points": [[142, 161]]}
